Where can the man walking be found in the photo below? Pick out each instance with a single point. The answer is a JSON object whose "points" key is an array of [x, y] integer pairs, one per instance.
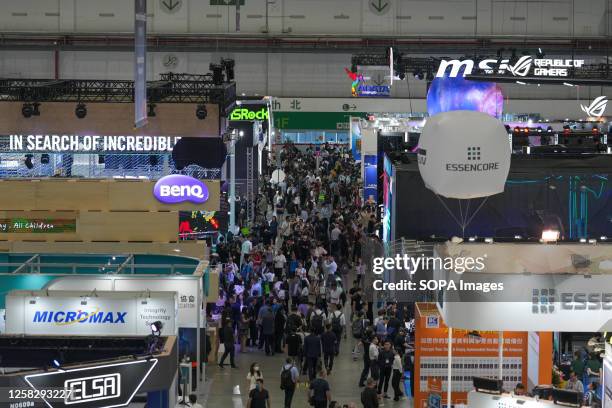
{"points": [[320, 393], [228, 343], [329, 340], [289, 379], [312, 352]]}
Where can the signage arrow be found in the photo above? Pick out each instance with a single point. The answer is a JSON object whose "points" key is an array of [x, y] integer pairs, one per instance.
{"points": [[380, 7], [171, 4]]}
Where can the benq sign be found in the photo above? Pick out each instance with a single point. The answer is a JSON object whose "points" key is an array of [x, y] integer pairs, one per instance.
{"points": [[177, 188]]}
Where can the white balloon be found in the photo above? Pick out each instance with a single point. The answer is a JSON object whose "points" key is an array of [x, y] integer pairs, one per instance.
{"points": [[278, 176], [464, 154]]}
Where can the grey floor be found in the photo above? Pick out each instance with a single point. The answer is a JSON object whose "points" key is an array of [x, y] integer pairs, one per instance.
{"points": [[220, 384]]}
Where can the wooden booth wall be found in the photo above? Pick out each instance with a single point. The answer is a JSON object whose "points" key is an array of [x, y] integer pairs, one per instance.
{"points": [[104, 210]]}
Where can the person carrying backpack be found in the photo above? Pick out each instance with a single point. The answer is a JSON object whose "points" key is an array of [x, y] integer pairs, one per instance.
{"points": [[289, 376], [317, 320], [338, 323], [357, 330]]}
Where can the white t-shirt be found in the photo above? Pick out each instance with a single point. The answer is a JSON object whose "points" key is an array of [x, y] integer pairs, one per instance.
{"points": [[247, 246], [334, 295], [280, 261]]}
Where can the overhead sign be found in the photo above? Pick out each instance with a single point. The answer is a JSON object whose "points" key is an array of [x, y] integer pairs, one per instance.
{"points": [[359, 88], [88, 143], [96, 315], [37, 225], [524, 66], [103, 386], [177, 188], [244, 113]]}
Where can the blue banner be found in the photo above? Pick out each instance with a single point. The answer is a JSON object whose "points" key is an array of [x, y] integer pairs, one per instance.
{"points": [[370, 179]]}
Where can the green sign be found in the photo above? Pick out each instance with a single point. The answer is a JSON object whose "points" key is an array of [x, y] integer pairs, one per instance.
{"points": [[314, 120], [225, 2], [249, 114], [37, 226]]}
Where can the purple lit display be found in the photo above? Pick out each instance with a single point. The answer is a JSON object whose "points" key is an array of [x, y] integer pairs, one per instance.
{"points": [[448, 94]]}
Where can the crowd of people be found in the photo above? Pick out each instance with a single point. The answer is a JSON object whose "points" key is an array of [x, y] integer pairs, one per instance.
{"points": [[284, 281]]}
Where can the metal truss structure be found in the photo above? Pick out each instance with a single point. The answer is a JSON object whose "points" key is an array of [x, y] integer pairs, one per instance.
{"points": [[171, 88]]}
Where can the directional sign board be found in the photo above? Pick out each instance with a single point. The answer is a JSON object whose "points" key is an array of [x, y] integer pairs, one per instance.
{"points": [[170, 6], [380, 7]]}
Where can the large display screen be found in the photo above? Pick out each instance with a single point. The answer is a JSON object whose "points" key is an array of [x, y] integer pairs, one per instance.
{"points": [[449, 94], [387, 199], [195, 224]]}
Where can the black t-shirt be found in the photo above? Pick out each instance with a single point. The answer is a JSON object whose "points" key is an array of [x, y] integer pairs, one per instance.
{"points": [[258, 398], [320, 388], [358, 302], [294, 341]]}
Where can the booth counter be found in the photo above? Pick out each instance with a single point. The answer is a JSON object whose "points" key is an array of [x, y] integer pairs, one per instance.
{"points": [[482, 400]]}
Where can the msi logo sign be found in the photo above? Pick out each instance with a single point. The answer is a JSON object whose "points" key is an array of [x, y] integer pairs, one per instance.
{"points": [[597, 108], [525, 65]]}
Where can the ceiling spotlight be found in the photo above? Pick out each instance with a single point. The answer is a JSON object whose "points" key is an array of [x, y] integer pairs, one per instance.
{"points": [[401, 75], [27, 110], [540, 53], [241, 133], [28, 161], [603, 238], [156, 328], [418, 74], [44, 158], [583, 240], [228, 65], [80, 111], [151, 110], [217, 73], [201, 112], [489, 240], [35, 109]]}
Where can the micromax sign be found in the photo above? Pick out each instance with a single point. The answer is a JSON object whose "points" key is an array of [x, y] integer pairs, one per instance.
{"points": [[177, 188], [541, 67]]}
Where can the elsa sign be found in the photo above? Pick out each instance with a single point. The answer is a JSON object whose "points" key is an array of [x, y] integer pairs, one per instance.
{"points": [[464, 154], [177, 188]]}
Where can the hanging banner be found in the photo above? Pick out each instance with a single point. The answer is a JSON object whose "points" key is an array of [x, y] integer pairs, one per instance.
{"points": [[370, 182], [140, 63], [355, 138]]}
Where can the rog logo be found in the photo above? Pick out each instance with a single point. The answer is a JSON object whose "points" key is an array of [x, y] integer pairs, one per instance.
{"points": [[522, 66], [597, 107]]}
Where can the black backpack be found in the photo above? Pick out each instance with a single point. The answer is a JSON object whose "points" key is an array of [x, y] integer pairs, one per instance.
{"points": [[337, 323], [286, 379], [316, 322]]}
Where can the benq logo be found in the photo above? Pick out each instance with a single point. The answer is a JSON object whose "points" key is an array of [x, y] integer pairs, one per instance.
{"points": [[596, 108], [96, 388], [178, 188]]}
